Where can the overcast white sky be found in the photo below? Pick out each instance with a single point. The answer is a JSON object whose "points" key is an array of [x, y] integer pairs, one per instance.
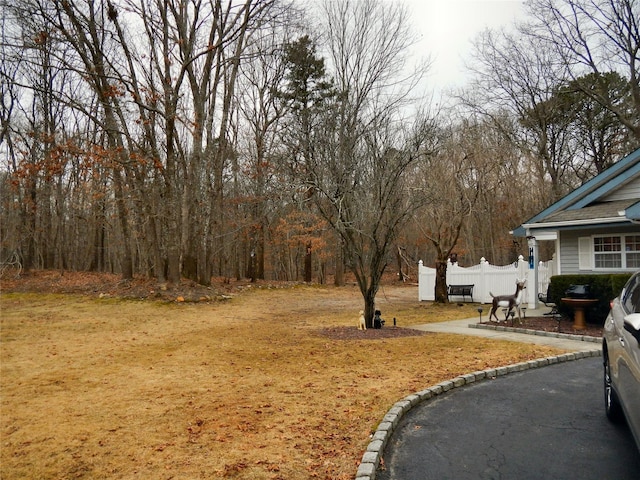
{"points": [[448, 26]]}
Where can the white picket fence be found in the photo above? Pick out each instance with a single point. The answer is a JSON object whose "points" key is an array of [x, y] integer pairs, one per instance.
{"points": [[486, 278]]}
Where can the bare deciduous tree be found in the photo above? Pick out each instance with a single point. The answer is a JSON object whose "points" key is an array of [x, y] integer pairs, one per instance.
{"points": [[261, 165], [595, 36], [517, 75], [359, 169], [451, 182]]}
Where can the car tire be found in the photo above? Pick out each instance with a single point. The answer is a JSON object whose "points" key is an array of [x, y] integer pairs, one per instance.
{"points": [[611, 402]]}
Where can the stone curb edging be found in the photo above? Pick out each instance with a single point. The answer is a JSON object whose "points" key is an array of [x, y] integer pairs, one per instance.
{"points": [[542, 333], [371, 458]]}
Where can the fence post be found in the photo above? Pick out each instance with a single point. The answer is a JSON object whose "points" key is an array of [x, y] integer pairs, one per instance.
{"points": [[483, 281], [523, 274], [533, 251]]}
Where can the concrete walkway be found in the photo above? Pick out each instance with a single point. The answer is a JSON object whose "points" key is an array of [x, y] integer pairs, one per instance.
{"points": [[471, 326]]}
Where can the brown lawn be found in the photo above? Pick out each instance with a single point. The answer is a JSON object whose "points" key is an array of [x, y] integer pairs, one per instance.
{"points": [[248, 388]]}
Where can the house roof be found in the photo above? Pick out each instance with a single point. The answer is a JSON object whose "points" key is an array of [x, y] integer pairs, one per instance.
{"points": [[596, 211], [587, 205]]}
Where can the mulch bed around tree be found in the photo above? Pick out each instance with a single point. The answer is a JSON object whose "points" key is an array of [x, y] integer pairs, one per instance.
{"points": [[352, 333], [550, 324]]}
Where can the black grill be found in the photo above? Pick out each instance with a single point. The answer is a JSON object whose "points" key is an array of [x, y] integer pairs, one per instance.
{"points": [[578, 291]]}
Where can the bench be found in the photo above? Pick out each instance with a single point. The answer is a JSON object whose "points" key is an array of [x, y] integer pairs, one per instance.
{"points": [[463, 291], [548, 302]]}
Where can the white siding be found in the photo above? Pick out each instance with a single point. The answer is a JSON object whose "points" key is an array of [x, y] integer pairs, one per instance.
{"points": [[569, 258], [585, 253]]}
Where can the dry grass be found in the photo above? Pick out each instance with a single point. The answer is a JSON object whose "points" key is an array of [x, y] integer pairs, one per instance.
{"points": [[241, 389]]}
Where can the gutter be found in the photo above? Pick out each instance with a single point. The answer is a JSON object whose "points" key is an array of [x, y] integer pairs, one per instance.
{"points": [[574, 223]]}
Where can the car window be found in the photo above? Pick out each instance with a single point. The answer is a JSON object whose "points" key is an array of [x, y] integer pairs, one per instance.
{"points": [[631, 299]]}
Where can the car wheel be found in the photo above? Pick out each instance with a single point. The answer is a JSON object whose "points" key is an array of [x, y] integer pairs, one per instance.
{"points": [[611, 402]]}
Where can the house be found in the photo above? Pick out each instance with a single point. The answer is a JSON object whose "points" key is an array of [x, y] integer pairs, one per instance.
{"points": [[596, 228]]}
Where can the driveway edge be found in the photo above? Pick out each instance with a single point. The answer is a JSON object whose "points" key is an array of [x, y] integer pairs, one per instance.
{"points": [[371, 458]]}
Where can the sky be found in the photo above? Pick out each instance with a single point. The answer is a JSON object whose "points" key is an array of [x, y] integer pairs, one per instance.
{"points": [[448, 26]]}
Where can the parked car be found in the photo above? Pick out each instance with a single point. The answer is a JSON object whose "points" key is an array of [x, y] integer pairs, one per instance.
{"points": [[621, 356]]}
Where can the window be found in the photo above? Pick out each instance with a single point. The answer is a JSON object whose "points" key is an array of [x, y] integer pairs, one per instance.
{"points": [[608, 252], [617, 252], [632, 250]]}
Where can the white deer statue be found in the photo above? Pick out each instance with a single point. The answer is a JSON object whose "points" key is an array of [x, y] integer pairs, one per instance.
{"points": [[508, 301]]}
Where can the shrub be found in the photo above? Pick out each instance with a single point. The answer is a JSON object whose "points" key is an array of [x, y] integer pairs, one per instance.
{"points": [[604, 287]]}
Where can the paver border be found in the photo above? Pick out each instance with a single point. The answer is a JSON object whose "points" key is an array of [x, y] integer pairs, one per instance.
{"points": [[371, 458]]}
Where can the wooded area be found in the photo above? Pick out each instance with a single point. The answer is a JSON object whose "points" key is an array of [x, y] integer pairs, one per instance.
{"points": [[192, 139]]}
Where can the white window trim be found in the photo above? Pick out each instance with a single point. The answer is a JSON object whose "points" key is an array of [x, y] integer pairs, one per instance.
{"points": [[587, 253]]}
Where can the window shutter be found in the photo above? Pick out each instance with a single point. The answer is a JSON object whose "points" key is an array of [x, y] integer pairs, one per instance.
{"points": [[585, 253]]}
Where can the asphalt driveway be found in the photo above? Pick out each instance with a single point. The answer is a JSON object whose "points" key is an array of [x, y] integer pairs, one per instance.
{"points": [[545, 423]]}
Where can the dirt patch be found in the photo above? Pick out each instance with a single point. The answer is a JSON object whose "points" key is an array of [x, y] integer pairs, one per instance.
{"points": [[139, 288]]}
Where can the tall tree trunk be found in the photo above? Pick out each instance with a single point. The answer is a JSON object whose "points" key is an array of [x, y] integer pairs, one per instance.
{"points": [[399, 263], [260, 251], [440, 289], [127, 257], [308, 263], [370, 304], [29, 251], [338, 279]]}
